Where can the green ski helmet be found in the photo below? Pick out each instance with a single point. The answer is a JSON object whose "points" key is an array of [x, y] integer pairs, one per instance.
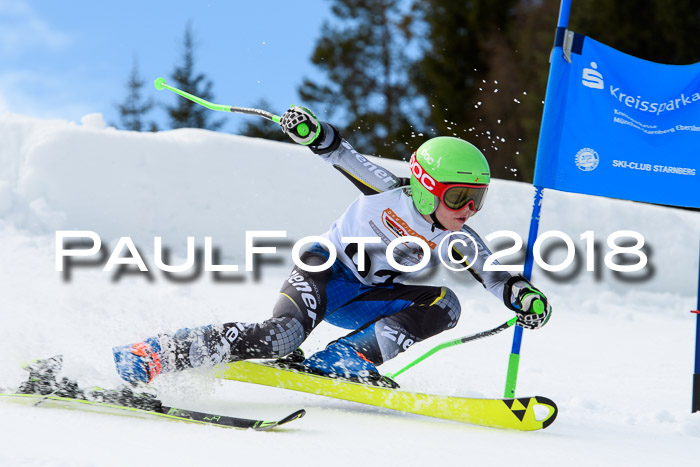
{"points": [[450, 170]]}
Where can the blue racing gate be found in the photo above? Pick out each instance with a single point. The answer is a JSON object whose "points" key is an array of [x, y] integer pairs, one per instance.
{"points": [[617, 126]]}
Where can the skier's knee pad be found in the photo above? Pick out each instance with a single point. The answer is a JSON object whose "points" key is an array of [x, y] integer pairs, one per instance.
{"points": [[285, 336], [273, 338], [449, 303]]}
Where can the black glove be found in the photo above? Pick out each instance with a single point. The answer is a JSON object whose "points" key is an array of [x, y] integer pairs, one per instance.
{"points": [[301, 125], [531, 307]]}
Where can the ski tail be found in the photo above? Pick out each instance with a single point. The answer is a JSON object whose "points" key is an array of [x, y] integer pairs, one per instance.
{"points": [[525, 409], [553, 410]]}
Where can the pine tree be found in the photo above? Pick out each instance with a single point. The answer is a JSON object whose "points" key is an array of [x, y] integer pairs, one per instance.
{"points": [[511, 98], [453, 71], [134, 108], [185, 113], [656, 30], [363, 55]]}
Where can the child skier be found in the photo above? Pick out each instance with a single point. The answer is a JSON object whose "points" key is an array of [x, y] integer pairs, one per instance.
{"points": [[361, 290]]}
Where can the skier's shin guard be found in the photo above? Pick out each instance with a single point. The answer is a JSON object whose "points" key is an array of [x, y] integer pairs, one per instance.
{"points": [[186, 348], [211, 345]]}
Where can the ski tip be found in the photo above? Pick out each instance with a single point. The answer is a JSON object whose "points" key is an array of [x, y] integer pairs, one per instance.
{"points": [[160, 84], [294, 416], [291, 417], [264, 426], [551, 406]]}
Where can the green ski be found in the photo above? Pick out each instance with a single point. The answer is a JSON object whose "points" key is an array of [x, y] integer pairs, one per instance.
{"points": [[43, 389]]}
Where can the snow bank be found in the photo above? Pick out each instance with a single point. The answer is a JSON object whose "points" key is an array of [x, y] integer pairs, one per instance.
{"points": [[56, 175]]}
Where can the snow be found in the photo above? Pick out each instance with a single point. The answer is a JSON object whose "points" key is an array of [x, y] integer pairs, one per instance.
{"points": [[617, 356]]}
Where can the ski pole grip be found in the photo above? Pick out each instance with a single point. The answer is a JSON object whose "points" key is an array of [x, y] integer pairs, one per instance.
{"points": [[538, 306]]}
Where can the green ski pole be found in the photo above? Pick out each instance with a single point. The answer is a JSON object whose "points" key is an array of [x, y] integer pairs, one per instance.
{"points": [[160, 85], [454, 342]]}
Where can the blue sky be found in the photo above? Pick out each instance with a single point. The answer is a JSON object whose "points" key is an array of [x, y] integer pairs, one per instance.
{"points": [[65, 59]]}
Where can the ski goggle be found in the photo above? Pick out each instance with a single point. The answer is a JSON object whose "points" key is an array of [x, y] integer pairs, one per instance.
{"points": [[453, 195]]}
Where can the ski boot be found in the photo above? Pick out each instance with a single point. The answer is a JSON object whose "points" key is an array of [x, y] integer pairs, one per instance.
{"points": [[341, 360], [139, 362]]}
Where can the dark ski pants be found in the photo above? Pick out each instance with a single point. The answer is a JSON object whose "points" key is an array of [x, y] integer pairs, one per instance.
{"points": [[385, 320]]}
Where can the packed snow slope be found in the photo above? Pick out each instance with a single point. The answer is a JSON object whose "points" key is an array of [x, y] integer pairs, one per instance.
{"points": [[617, 355]]}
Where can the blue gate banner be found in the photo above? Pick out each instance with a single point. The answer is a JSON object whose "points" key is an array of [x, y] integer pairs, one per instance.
{"points": [[619, 126]]}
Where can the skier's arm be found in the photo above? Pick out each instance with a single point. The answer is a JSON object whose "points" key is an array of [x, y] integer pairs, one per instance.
{"points": [[368, 177], [474, 253], [325, 140], [516, 292]]}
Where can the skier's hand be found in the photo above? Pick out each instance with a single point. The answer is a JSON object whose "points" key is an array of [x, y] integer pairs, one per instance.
{"points": [[301, 125], [533, 309]]}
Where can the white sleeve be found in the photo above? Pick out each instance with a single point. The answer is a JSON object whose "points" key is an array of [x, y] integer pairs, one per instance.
{"points": [[369, 177], [475, 253]]}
